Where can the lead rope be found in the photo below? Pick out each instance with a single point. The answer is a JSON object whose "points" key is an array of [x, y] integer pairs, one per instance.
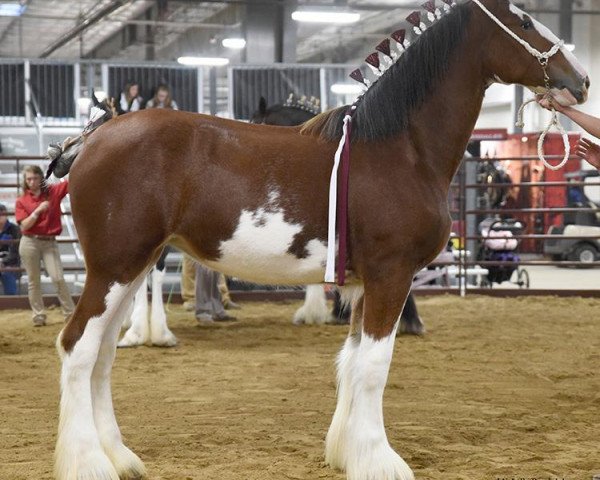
{"points": [[552, 123], [543, 58], [540, 146]]}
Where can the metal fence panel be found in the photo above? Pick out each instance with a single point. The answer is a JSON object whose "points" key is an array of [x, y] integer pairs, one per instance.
{"points": [[12, 91], [53, 87]]}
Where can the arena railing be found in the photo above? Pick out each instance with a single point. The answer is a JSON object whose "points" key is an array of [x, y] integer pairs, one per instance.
{"points": [[546, 249], [463, 272]]}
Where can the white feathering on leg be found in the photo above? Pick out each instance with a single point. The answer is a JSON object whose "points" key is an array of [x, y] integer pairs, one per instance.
{"points": [[160, 334], [139, 332]]}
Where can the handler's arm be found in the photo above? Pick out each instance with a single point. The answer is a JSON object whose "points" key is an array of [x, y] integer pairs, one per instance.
{"points": [[588, 122]]}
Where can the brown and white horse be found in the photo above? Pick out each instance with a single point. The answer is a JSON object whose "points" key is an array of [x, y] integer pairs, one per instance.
{"points": [[251, 201]]}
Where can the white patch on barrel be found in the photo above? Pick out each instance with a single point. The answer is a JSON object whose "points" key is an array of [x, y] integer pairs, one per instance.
{"points": [[548, 35], [258, 250]]}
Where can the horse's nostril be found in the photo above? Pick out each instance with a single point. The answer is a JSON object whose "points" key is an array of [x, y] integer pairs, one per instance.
{"points": [[587, 82]]}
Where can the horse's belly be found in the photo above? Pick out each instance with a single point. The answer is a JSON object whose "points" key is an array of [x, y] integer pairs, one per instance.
{"points": [[259, 251]]}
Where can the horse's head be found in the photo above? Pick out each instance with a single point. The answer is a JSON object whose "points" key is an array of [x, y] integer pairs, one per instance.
{"points": [[522, 50], [287, 114], [259, 115]]}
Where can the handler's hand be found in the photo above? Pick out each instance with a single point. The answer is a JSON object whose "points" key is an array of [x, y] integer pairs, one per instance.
{"points": [[589, 151], [42, 207], [546, 101]]}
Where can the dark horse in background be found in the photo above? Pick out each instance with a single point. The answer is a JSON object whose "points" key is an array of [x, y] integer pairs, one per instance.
{"points": [[295, 111], [251, 201]]}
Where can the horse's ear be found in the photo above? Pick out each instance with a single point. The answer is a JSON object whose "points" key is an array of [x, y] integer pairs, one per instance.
{"points": [[262, 105], [95, 101]]}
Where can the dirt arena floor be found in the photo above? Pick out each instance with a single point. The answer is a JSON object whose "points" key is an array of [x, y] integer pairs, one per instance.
{"points": [[497, 389]]}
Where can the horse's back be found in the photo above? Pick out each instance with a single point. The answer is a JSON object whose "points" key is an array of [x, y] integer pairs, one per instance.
{"points": [[227, 192]]}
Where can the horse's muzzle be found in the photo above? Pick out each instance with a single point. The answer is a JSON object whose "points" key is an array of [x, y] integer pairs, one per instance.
{"points": [[581, 94], [566, 96]]}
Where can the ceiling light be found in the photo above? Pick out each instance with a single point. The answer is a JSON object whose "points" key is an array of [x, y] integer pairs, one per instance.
{"points": [[317, 15], [346, 89], [207, 61], [235, 43], [12, 9]]}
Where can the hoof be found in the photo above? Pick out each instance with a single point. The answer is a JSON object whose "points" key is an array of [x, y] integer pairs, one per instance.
{"points": [[127, 464], [131, 339], [335, 320], [92, 466], [382, 463], [301, 317], [412, 327], [167, 340]]}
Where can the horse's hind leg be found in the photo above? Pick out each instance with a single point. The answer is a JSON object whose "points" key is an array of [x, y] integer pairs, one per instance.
{"points": [[314, 310], [160, 335], [410, 322], [88, 432], [138, 332], [126, 463], [357, 441]]}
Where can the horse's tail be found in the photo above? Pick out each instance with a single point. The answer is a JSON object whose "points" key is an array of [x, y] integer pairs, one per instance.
{"points": [[63, 156]]}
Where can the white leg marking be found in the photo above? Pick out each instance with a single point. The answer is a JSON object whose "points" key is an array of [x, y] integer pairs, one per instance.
{"points": [[357, 440], [139, 332], [79, 454], [335, 443], [126, 463], [160, 334], [314, 310]]}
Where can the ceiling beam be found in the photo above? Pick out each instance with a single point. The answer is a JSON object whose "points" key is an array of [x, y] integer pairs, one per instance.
{"points": [[84, 25]]}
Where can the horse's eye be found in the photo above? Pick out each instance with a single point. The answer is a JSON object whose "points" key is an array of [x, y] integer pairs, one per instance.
{"points": [[527, 25]]}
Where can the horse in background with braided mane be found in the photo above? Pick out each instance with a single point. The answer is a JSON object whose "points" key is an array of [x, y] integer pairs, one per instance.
{"points": [[252, 201]]}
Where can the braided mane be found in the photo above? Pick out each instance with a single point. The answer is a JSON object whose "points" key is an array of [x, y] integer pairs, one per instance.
{"points": [[386, 107]]}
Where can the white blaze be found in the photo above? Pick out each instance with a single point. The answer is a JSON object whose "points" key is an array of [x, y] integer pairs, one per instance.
{"points": [[548, 35]]}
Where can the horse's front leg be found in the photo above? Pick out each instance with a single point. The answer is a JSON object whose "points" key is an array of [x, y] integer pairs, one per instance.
{"points": [[357, 441]]}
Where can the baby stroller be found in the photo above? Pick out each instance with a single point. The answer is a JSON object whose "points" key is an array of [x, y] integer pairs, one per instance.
{"points": [[499, 245]]}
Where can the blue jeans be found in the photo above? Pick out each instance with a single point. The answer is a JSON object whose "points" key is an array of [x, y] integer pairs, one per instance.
{"points": [[9, 282]]}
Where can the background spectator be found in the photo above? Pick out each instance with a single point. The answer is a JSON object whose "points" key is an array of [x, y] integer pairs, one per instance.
{"points": [[9, 252], [38, 213], [162, 99], [131, 100]]}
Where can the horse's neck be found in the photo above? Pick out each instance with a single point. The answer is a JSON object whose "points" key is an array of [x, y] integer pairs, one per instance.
{"points": [[446, 120]]}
